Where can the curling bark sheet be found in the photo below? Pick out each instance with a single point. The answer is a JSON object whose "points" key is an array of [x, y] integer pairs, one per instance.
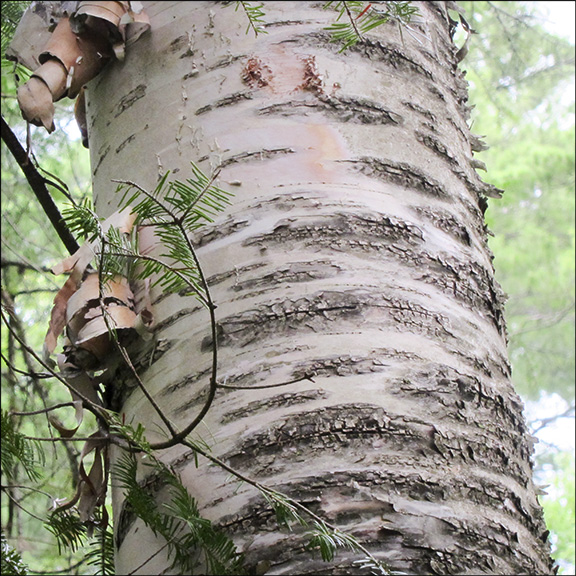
{"points": [[85, 324], [88, 311], [87, 36]]}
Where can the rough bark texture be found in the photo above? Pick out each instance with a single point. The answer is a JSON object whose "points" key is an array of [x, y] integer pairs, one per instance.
{"points": [[355, 251]]}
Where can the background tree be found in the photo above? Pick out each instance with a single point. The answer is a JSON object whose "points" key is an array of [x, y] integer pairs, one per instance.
{"points": [[51, 262], [524, 102]]}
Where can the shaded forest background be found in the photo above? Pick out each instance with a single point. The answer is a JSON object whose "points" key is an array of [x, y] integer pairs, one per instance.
{"points": [[522, 85]]}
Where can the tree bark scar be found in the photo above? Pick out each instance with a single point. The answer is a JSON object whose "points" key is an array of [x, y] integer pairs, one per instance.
{"points": [[128, 100], [229, 100]]}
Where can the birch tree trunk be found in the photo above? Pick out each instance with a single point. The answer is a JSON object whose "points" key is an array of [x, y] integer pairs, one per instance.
{"points": [[354, 253]]}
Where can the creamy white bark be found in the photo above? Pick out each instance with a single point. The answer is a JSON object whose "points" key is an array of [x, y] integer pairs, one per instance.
{"points": [[354, 251]]}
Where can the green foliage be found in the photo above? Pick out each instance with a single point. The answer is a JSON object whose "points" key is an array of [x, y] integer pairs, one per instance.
{"points": [[559, 510], [518, 75], [191, 203], [255, 16], [193, 542], [361, 17], [16, 449], [82, 219], [175, 209], [365, 16], [284, 509], [12, 564], [327, 541], [68, 529], [72, 535], [100, 552], [11, 12], [321, 537]]}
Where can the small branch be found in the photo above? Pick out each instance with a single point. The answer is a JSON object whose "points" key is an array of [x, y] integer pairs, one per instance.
{"points": [[352, 20], [33, 375], [168, 542], [43, 410], [23, 487], [121, 349], [159, 411], [214, 371], [177, 221], [91, 406], [71, 439], [58, 184], [305, 377], [22, 265], [38, 185], [568, 413], [16, 503]]}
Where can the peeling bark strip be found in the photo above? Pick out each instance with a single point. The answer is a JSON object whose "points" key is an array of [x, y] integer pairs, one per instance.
{"points": [[355, 254], [396, 498], [79, 39]]}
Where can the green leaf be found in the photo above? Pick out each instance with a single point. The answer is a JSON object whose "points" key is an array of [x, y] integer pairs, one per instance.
{"points": [[284, 509]]}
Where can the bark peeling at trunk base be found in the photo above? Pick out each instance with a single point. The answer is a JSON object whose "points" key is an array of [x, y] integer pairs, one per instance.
{"points": [[355, 252]]}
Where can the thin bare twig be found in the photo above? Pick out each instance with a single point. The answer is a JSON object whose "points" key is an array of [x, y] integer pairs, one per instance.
{"points": [[91, 406], [214, 370], [43, 410], [305, 377]]}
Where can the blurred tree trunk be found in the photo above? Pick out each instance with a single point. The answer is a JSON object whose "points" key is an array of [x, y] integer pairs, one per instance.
{"points": [[354, 251]]}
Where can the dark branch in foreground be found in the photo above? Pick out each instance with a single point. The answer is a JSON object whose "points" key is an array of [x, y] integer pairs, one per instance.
{"points": [[37, 183]]}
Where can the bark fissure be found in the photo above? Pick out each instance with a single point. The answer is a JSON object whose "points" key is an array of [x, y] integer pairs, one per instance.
{"points": [[315, 312], [340, 108], [280, 400], [375, 51], [446, 222], [352, 427], [402, 174], [263, 154], [341, 225], [229, 100]]}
